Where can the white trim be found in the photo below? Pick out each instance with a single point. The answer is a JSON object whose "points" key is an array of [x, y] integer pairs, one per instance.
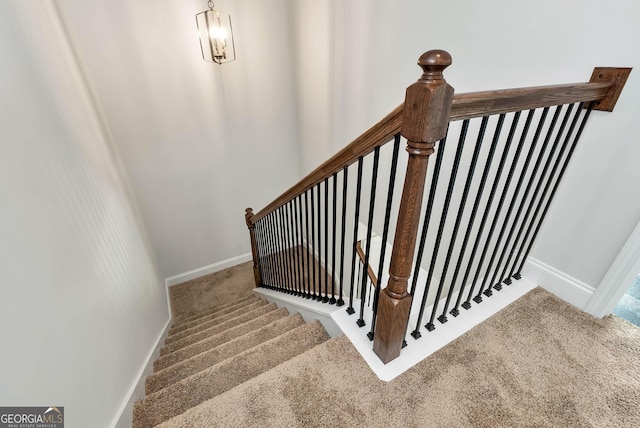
{"points": [[618, 278], [309, 309], [124, 417], [564, 286], [418, 350], [206, 270]]}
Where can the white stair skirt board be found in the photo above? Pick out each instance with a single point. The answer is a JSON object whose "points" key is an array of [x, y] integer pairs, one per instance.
{"points": [[431, 341], [309, 309]]}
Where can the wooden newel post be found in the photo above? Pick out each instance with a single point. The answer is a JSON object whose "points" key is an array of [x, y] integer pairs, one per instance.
{"points": [[254, 249], [426, 115]]}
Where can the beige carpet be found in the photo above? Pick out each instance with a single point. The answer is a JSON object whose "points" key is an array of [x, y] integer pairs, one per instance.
{"points": [[537, 363], [213, 290]]}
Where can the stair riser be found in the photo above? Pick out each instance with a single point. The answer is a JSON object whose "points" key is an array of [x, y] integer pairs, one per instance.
{"points": [[212, 323], [189, 392], [202, 361], [217, 329], [214, 310], [211, 315], [216, 340]]}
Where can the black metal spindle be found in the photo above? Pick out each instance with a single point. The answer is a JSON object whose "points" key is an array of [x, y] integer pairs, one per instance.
{"points": [[385, 232], [314, 296], [372, 201], [274, 247], [543, 175], [560, 175], [463, 201], [294, 255], [319, 242], [332, 300], [454, 172], [350, 309], [496, 214], [257, 228], [443, 217], [530, 183], [267, 248], [465, 240], [306, 246], [288, 283], [487, 210], [514, 198], [301, 286], [325, 299], [340, 300], [474, 211], [279, 247], [425, 227]]}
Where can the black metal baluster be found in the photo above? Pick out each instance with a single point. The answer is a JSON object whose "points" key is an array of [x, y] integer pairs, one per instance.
{"points": [[530, 182], [294, 255], [350, 309], [319, 243], [541, 180], [332, 300], [496, 214], [279, 248], [516, 192], [372, 200], [385, 232], [463, 201], [285, 248], [298, 206], [325, 299], [340, 301], [465, 240], [269, 252], [485, 215], [306, 247], [443, 218], [274, 248], [425, 227], [260, 247], [313, 245], [562, 171], [287, 258], [474, 211]]}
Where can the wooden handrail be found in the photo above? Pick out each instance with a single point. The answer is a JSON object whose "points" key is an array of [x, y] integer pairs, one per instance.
{"points": [[379, 133], [361, 255], [485, 103], [464, 106]]}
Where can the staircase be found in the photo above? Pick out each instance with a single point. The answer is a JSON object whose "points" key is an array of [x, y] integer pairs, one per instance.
{"points": [[207, 354]]}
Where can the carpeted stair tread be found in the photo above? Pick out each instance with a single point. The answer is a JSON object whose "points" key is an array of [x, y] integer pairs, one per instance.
{"points": [[206, 359], [196, 337], [215, 321], [210, 314], [249, 297], [179, 397], [216, 340], [292, 394]]}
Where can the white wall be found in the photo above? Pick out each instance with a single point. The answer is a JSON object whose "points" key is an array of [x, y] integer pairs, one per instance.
{"points": [[200, 141], [81, 301], [500, 44]]}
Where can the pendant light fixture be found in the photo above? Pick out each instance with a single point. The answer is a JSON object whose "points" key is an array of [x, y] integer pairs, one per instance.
{"points": [[216, 36]]}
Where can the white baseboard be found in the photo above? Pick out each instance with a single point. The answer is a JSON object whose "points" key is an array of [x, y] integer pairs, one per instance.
{"points": [[206, 270], [124, 417], [566, 287]]}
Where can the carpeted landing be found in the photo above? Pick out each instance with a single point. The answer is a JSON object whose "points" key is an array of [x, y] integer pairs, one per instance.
{"points": [[537, 363]]}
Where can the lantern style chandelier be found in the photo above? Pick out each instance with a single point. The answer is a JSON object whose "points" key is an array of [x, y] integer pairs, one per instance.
{"points": [[216, 36]]}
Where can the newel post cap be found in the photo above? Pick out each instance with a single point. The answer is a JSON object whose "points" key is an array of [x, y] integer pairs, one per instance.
{"points": [[433, 63], [428, 101]]}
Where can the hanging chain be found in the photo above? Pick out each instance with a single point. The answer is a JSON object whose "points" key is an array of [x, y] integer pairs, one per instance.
{"points": [[210, 4]]}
